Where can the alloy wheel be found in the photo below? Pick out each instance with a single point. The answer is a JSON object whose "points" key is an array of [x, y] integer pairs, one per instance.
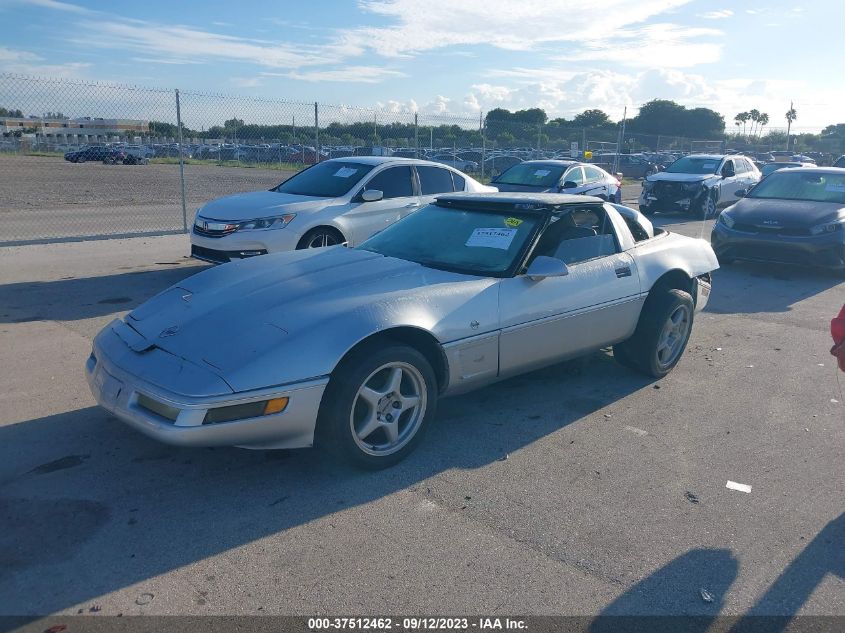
{"points": [[673, 336], [388, 409]]}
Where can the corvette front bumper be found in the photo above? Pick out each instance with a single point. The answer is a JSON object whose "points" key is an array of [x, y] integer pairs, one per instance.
{"points": [[117, 378]]}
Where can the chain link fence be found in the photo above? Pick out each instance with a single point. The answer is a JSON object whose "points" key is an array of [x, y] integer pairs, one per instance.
{"points": [[82, 160]]}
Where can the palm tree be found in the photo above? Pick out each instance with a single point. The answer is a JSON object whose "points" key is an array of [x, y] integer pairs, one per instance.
{"points": [[764, 121], [743, 118], [755, 117], [739, 119], [791, 115]]}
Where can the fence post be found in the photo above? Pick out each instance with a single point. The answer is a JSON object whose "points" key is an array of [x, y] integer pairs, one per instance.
{"points": [[483, 144], [181, 163], [316, 133], [416, 136]]}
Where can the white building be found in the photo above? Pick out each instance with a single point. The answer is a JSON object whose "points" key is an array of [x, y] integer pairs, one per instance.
{"points": [[75, 131]]}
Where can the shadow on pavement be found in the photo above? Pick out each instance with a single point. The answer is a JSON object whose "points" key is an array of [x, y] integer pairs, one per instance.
{"points": [[125, 509], [748, 287], [72, 299], [673, 598]]}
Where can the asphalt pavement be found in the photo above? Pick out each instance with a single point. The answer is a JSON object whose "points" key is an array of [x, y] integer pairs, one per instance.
{"points": [[582, 488]]}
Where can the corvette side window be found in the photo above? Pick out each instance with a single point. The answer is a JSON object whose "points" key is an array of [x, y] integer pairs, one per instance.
{"points": [[577, 236]]}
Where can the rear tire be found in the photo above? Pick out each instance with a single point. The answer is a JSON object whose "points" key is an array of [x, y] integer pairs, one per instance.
{"points": [[378, 405], [661, 336]]}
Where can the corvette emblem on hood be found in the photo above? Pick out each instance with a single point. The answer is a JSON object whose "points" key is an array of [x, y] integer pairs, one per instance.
{"points": [[169, 331]]}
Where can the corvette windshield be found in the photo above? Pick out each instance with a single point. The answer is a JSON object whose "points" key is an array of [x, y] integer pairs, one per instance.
{"points": [[813, 186], [325, 180], [472, 242], [690, 165], [533, 175]]}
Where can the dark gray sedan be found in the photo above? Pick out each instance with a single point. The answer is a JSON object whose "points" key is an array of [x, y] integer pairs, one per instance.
{"points": [[794, 216]]}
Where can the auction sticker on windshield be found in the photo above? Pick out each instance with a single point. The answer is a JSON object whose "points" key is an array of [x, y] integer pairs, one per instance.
{"points": [[492, 238], [513, 221], [542, 172], [345, 172]]}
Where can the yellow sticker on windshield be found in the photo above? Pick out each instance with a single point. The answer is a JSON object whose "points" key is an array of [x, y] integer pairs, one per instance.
{"points": [[513, 221]]}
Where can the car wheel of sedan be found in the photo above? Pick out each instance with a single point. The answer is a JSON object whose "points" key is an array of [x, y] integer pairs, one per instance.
{"points": [[661, 335], [320, 237], [709, 206], [377, 406]]}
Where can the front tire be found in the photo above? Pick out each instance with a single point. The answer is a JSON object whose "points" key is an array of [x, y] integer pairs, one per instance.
{"points": [[661, 336], [709, 207], [320, 237], [377, 406]]}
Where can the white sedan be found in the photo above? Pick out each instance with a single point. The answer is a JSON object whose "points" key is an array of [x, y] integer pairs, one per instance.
{"points": [[332, 202]]}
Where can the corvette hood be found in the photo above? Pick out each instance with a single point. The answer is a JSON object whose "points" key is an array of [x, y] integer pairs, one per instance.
{"points": [[664, 177], [275, 310], [261, 204], [786, 213]]}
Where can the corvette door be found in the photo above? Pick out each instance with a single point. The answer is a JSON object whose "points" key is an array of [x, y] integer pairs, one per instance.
{"points": [[560, 317]]}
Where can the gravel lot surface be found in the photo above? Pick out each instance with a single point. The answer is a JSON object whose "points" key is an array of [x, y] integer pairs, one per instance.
{"points": [[52, 198], [582, 488]]}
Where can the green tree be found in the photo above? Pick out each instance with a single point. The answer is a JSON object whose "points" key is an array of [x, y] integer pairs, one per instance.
{"points": [[592, 118], [160, 128]]}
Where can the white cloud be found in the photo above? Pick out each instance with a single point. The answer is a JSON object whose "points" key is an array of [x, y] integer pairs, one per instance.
{"points": [[524, 25], [27, 63], [716, 15], [59, 6], [654, 45], [162, 41], [359, 74]]}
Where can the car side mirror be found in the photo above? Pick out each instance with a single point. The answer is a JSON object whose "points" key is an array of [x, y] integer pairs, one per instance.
{"points": [[569, 184], [741, 193], [543, 267], [727, 173], [371, 195]]}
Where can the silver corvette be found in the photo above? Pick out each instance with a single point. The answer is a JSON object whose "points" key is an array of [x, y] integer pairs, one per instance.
{"points": [[350, 348]]}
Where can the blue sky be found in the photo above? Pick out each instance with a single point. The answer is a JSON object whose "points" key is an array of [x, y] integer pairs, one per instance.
{"points": [[451, 56]]}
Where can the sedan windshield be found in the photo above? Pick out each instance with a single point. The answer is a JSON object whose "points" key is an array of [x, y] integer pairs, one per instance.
{"points": [[478, 242], [691, 165], [812, 186], [325, 180], [532, 175]]}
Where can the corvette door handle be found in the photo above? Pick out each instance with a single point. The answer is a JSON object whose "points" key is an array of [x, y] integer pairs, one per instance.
{"points": [[624, 271], [412, 205]]}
